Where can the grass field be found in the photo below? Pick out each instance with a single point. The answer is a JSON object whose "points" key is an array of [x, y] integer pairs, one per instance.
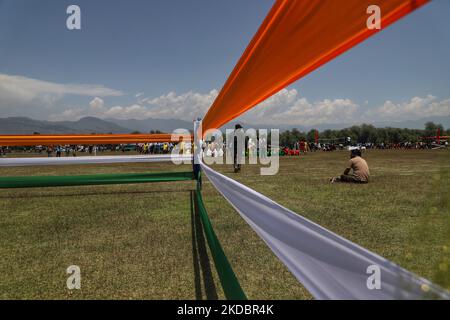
{"points": [[143, 241]]}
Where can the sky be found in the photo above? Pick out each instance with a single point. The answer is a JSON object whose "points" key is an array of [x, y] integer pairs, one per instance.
{"points": [[170, 58]]}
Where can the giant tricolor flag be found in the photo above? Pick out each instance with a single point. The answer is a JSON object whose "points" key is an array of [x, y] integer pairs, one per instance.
{"points": [[297, 37]]}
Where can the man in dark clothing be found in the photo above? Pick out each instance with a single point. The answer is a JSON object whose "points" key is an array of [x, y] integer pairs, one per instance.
{"points": [[237, 149]]}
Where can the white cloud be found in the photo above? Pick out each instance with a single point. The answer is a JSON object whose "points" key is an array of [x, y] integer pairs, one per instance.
{"points": [[27, 88], [97, 104], [416, 108], [186, 106], [21, 95], [31, 97], [69, 114], [287, 107]]}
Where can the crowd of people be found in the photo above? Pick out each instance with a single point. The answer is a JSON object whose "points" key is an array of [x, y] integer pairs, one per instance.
{"points": [[156, 148], [405, 145], [304, 146], [57, 150], [74, 150], [69, 150], [217, 149]]}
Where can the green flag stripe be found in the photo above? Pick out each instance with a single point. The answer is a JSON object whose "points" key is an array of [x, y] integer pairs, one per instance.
{"points": [[228, 279], [94, 179]]}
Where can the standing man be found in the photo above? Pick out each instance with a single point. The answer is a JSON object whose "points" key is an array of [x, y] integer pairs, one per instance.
{"points": [[358, 167], [197, 150], [58, 151], [237, 151]]}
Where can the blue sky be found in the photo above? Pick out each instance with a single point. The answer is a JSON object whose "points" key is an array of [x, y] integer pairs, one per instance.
{"points": [[168, 59]]}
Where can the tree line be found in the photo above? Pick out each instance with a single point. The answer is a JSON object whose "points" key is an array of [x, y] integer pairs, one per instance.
{"points": [[365, 133]]}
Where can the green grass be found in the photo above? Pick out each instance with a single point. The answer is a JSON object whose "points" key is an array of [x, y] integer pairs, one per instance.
{"points": [[143, 241]]}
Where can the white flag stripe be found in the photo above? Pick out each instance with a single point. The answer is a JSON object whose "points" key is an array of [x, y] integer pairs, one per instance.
{"points": [[328, 265], [43, 161]]}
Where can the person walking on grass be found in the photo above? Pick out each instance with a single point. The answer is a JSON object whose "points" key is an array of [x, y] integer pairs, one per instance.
{"points": [[357, 170]]}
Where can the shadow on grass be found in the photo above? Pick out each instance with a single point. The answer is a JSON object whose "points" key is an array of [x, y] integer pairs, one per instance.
{"points": [[200, 256]]}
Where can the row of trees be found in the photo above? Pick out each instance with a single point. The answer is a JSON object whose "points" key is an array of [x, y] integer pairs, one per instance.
{"points": [[365, 133]]}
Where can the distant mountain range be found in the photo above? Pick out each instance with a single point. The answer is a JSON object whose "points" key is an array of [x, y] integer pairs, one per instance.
{"points": [[145, 125], [22, 125]]}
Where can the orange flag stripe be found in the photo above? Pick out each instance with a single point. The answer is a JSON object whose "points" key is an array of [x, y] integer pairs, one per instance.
{"points": [[84, 139], [297, 37]]}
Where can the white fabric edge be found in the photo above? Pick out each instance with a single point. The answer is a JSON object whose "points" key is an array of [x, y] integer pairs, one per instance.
{"points": [[336, 270], [46, 161]]}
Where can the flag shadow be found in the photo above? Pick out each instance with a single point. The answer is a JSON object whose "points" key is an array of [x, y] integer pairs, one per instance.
{"points": [[201, 261]]}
